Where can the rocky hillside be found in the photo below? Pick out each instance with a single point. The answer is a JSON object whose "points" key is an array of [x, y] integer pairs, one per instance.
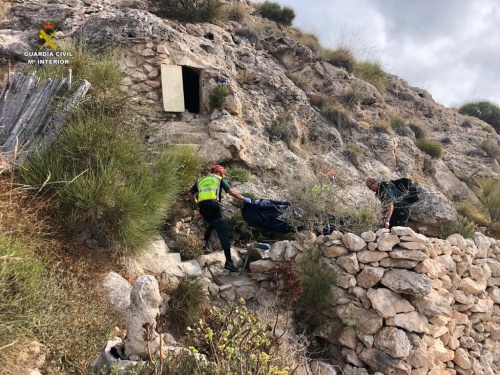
{"points": [[290, 110], [288, 107]]}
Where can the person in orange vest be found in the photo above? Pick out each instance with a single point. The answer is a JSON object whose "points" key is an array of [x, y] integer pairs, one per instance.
{"points": [[206, 193]]}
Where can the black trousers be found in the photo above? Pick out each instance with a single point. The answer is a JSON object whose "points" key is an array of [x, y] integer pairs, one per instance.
{"points": [[214, 216], [400, 217]]}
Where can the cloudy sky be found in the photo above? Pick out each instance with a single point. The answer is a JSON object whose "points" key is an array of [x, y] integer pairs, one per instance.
{"points": [[450, 48]]}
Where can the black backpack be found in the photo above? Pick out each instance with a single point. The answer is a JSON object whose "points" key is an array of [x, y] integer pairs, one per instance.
{"points": [[409, 190]]}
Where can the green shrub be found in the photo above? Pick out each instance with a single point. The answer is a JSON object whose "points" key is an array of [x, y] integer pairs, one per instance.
{"points": [[463, 226], [373, 73], [316, 280], [217, 96], [190, 10], [488, 129], [184, 306], [484, 110], [236, 338], [239, 230], [188, 164], [273, 11], [340, 57], [491, 148], [472, 212], [236, 173], [488, 193], [301, 81], [418, 130], [106, 182], [21, 277], [429, 147]]}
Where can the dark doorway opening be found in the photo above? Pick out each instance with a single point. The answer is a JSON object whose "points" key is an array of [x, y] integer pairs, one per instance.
{"points": [[191, 86]]}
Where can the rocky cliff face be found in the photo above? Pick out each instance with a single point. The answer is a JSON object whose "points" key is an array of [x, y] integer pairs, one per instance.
{"points": [[272, 122]]}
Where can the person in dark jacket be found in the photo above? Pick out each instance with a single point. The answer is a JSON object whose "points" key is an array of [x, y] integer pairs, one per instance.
{"points": [[206, 193], [396, 210]]}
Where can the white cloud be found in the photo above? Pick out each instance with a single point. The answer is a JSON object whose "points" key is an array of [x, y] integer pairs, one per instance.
{"points": [[448, 47]]}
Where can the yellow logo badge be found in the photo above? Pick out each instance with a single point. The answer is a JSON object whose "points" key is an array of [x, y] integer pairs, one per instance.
{"points": [[46, 37]]}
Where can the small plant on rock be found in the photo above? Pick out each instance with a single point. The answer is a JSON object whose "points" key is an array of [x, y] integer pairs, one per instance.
{"points": [[217, 96]]}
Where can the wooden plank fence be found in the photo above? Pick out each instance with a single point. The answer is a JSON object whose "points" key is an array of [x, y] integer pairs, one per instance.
{"points": [[32, 112]]}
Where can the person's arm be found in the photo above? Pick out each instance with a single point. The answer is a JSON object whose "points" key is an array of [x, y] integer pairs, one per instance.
{"points": [[236, 194], [191, 194], [388, 214], [192, 198]]}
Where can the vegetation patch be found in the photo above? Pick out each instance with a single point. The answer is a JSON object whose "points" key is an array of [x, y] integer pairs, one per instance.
{"points": [[189, 10], [275, 12], [373, 73], [217, 96], [235, 338], [185, 304], [236, 173], [491, 148], [429, 147], [340, 57], [336, 113], [463, 226], [316, 280], [484, 110]]}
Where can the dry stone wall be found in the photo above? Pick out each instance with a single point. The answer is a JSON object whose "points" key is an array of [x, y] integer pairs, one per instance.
{"points": [[409, 304]]}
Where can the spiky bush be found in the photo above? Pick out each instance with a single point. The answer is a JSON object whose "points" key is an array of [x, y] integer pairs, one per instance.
{"points": [[429, 147], [341, 57], [484, 110], [373, 73], [189, 10], [184, 306], [106, 182]]}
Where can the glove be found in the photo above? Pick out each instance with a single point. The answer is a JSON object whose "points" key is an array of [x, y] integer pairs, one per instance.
{"points": [[247, 200]]}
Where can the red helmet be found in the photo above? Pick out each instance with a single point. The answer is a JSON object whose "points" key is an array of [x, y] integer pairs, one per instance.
{"points": [[218, 168]]}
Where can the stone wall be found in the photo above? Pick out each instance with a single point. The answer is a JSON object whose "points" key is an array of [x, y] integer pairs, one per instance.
{"points": [[410, 304]]}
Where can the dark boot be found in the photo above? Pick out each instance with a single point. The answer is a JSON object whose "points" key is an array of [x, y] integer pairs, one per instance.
{"points": [[207, 249], [229, 265]]}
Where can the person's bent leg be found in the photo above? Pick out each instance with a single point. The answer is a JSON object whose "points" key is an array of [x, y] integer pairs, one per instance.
{"points": [[223, 234]]}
